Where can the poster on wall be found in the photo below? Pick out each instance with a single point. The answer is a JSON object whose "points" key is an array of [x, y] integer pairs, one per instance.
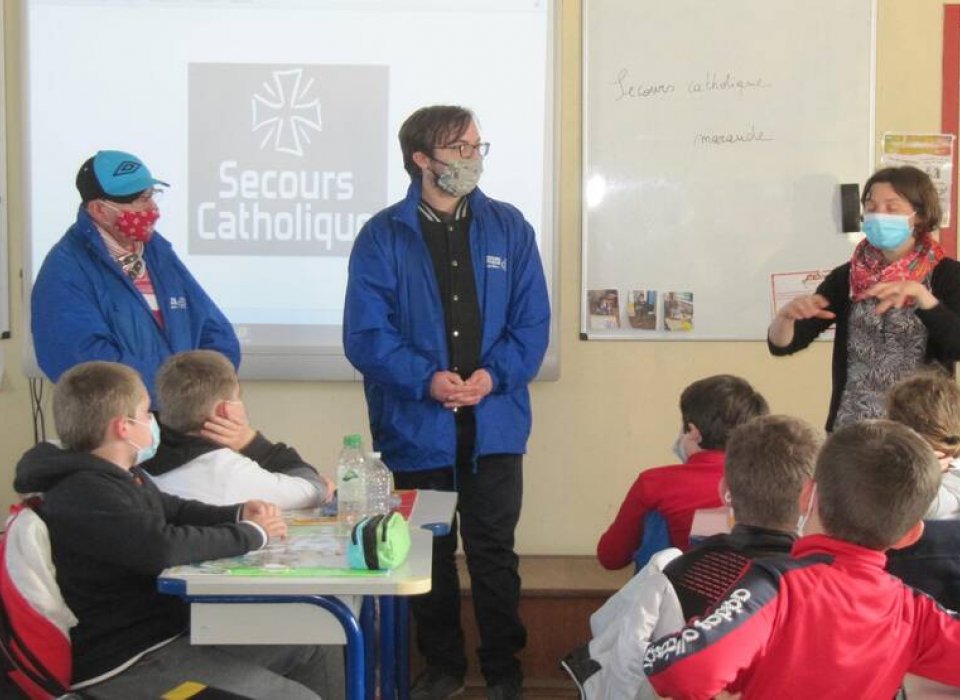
{"points": [[932, 153], [787, 286]]}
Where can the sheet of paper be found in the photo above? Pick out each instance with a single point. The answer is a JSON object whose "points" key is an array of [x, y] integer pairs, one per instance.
{"points": [[932, 153], [308, 550]]}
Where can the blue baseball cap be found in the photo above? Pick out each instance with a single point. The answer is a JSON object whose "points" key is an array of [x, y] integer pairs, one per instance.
{"points": [[114, 175]]}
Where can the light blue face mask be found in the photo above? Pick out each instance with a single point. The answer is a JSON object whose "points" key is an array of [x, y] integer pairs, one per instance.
{"points": [[679, 450], [147, 451], [887, 231]]}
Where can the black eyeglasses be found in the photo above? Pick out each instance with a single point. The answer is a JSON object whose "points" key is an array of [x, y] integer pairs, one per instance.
{"points": [[468, 149]]}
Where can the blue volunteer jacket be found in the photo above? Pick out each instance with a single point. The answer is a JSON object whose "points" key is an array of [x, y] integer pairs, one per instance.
{"points": [[394, 333], [83, 307]]}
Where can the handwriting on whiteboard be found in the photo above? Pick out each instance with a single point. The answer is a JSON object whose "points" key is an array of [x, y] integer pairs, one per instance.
{"points": [[626, 87]]}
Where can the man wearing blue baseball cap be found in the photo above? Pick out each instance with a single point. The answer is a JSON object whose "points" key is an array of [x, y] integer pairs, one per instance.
{"points": [[113, 289]]}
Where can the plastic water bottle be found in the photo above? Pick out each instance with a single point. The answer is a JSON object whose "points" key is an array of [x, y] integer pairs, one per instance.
{"points": [[351, 481], [379, 485]]}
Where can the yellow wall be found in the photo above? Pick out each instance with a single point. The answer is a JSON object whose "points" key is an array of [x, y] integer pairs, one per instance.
{"points": [[613, 411]]}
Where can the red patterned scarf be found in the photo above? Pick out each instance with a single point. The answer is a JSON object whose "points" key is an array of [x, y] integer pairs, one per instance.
{"points": [[868, 266]]}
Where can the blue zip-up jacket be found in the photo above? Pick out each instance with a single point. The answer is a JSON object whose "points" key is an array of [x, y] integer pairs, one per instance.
{"points": [[394, 333], [83, 307]]}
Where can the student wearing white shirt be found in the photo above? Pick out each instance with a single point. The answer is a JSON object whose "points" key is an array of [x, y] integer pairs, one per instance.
{"points": [[208, 450]]}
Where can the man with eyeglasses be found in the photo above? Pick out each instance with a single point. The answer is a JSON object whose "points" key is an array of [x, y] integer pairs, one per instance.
{"points": [[447, 318], [113, 289]]}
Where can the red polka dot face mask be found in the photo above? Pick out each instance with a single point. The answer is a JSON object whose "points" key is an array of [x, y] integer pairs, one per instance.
{"points": [[136, 225]]}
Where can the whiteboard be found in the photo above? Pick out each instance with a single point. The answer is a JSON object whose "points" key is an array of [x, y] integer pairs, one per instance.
{"points": [[716, 137]]}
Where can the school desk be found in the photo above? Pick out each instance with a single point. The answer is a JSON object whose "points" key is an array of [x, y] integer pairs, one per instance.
{"points": [[267, 607]]}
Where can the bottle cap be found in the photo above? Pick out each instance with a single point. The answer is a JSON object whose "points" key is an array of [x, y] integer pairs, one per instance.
{"points": [[352, 441]]}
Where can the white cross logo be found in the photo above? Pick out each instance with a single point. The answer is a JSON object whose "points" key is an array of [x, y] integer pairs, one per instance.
{"points": [[285, 112]]}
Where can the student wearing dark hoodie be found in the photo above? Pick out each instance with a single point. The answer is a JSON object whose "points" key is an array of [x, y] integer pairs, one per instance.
{"points": [[112, 532]]}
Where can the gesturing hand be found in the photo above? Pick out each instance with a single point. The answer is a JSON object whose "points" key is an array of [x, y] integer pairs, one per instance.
{"points": [[894, 295], [807, 306]]}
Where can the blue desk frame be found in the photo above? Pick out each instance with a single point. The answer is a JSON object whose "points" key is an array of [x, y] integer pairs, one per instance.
{"points": [[355, 670], [395, 615], [361, 656]]}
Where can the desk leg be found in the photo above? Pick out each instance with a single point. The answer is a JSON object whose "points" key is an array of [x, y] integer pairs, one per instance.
{"points": [[403, 648], [367, 620], [388, 616]]}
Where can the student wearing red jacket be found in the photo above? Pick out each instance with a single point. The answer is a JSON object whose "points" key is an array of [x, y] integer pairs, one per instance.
{"points": [[710, 408], [830, 622]]}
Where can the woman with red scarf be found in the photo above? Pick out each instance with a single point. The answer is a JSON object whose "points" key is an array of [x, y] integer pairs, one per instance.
{"points": [[896, 304]]}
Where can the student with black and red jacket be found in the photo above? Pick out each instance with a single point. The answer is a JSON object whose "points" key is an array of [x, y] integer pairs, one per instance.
{"points": [[829, 622]]}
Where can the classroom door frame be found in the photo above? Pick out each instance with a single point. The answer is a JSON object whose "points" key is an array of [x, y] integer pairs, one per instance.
{"points": [[950, 111]]}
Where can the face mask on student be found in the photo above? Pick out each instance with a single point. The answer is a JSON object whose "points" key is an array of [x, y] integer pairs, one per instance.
{"points": [[136, 225], [679, 450], [147, 451], [728, 502], [887, 231], [459, 177], [804, 517]]}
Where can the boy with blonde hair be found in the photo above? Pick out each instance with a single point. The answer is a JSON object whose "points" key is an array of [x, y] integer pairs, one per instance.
{"points": [[829, 623], [929, 402], [208, 450], [112, 533]]}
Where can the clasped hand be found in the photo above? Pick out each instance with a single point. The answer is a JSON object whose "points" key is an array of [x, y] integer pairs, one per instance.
{"points": [[266, 515], [453, 391]]}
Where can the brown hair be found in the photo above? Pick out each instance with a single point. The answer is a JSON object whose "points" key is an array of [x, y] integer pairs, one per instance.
{"points": [[189, 384], [929, 402], [915, 186], [90, 395], [428, 128], [768, 460], [875, 480], [717, 405]]}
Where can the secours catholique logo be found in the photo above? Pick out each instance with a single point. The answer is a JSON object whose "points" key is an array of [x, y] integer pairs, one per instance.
{"points": [[285, 159], [286, 111]]}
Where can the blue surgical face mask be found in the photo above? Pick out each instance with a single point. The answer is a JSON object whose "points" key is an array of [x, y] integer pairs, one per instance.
{"points": [[887, 231], [679, 450], [147, 451]]}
